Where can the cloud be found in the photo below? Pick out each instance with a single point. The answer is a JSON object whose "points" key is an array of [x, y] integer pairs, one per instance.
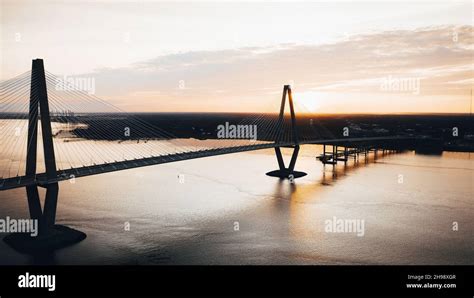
{"points": [[442, 57]]}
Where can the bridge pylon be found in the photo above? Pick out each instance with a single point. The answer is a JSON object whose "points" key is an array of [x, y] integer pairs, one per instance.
{"points": [[50, 236], [287, 172], [39, 107]]}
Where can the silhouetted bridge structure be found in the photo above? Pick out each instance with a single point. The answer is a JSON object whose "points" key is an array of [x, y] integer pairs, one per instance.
{"points": [[66, 174], [42, 92]]}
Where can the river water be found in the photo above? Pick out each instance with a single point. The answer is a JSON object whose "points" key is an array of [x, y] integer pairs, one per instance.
{"points": [[417, 209]]}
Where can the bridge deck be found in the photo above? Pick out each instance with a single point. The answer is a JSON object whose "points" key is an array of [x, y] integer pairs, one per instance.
{"points": [[41, 179]]}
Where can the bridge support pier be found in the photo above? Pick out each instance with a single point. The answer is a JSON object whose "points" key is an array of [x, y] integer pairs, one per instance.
{"points": [[287, 172], [50, 236], [47, 217], [284, 172]]}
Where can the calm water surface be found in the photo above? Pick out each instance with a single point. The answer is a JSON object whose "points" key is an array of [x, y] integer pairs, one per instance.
{"points": [[408, 202]]}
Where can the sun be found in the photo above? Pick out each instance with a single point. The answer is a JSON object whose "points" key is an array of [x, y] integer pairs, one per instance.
{"points": [[309, 101]]}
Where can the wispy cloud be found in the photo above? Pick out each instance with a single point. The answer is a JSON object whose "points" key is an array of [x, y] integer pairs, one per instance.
{"points": [[442, 57]]}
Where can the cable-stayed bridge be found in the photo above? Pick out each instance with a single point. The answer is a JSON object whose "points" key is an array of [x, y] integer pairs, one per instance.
{"points": [[82, 135]]}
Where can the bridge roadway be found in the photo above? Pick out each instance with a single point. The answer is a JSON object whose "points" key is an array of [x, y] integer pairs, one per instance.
{"points": [[66, 174]]}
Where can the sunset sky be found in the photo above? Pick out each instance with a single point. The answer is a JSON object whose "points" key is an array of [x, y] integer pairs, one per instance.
{"points": [[236, 56]]}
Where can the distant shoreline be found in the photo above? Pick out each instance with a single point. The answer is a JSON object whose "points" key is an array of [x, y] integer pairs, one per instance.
{"points": [[450, 132]]}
